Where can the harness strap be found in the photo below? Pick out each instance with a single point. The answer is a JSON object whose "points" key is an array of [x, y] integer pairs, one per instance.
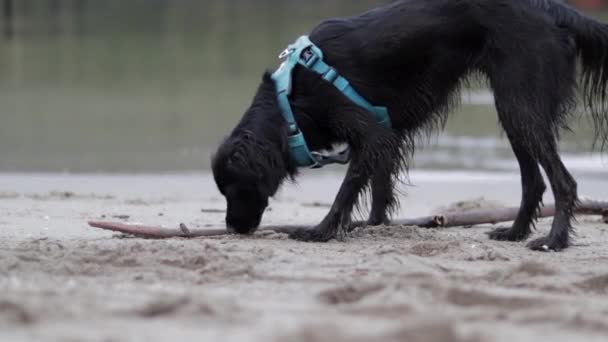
{"points": [[304, 52], [330, 74]]}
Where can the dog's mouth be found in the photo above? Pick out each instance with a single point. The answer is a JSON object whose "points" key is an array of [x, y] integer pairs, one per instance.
{"points": [[242, 228], [240, 231]]}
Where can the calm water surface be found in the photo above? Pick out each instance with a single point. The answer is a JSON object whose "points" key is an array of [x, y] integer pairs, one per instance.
{"points": [[152, 86]]}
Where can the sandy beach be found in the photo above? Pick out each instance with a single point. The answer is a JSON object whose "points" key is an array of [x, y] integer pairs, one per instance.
{"points": [[63, 281]]}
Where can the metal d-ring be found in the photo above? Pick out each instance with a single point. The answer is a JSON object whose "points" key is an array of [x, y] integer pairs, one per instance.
{"points": [[286, 53]]}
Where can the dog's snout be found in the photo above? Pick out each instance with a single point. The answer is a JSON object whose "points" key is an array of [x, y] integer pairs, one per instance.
{"points": [[230, 229], [241, 225]]}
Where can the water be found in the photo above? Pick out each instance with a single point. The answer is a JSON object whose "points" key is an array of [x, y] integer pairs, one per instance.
{"points": [[152, 85]]}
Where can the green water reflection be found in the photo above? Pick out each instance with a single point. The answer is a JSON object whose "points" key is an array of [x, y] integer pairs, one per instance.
{"points": [[153, 85]]}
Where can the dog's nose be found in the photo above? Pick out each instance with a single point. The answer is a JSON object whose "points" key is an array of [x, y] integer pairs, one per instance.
{"points": [[240, 226], [237, 226]]}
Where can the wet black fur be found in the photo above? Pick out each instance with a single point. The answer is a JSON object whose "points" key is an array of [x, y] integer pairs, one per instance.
{"points": [[413, 56]]}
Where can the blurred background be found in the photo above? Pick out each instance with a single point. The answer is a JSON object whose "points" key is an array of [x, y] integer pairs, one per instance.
{"points": [[153, 85]]}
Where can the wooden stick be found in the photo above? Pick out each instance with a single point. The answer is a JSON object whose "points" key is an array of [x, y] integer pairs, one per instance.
{"points": [[493, 216], [158, 232], [456, 219]]}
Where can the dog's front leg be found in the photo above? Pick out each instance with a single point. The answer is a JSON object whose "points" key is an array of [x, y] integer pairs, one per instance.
{"points": [[372, 148], [383, 196], [357, 177], [384, 199], [372, 153]]}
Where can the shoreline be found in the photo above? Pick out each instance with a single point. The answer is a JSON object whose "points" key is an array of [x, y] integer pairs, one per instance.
{"points": [[60, 280]]}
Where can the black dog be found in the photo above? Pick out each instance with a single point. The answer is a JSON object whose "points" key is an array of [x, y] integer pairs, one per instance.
{"points": [[412, 57]]}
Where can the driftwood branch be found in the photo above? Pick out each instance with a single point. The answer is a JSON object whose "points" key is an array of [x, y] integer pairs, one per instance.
{"points": [[493, 216], [456, 219], [159, 232]]}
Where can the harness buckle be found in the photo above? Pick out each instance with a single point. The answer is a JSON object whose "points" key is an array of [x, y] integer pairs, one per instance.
{"points": [[342, 158], [309, 57]]}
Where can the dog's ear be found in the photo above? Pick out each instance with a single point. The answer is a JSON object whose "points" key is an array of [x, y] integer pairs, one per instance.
{"points": [[267, 77]]}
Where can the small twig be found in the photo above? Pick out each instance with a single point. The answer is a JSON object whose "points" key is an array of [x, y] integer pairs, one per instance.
{"points": [[184, 229], [457, 219], [212, 211]]}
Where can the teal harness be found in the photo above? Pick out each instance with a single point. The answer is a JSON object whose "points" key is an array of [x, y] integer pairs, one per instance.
{"points": [[307, 54]]}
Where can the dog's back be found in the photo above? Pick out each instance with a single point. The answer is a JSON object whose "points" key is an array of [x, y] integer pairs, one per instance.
{"points": [[425, 49]]}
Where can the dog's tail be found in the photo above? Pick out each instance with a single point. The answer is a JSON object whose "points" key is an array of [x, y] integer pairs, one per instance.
{"points": [[591, 38]]}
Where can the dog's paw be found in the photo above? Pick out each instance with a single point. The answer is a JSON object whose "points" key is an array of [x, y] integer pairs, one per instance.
{"points": [[507, 234], [354, 225], [378, 219], [546, 244], [311, 235]]}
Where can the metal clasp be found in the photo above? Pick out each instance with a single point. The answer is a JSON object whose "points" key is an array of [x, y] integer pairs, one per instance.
{"points": [[286, 53], [342, 158]]}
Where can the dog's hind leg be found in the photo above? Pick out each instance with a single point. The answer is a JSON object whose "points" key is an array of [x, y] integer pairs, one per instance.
{"points": [[533, 188], [565, 190], [532, 123], [532, 146]]}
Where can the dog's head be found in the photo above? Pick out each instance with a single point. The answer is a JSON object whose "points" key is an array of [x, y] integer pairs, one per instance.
{"points": [[244, 187], [252, 163]]}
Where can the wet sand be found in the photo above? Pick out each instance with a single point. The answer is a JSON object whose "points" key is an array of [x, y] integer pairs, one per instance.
{"points": [[63, 281]]}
